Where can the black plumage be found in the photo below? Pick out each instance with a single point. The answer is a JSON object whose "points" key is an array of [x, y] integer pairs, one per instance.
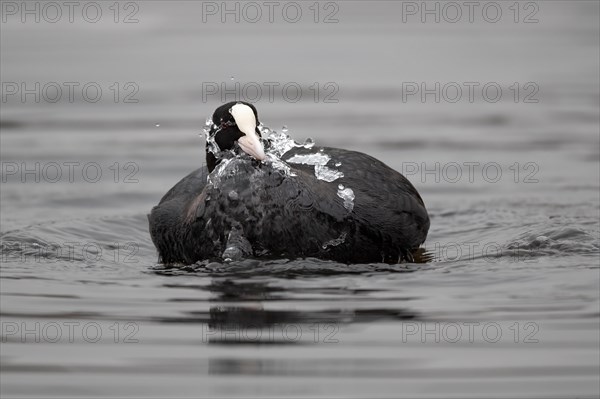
{"points": [[264, 209]]}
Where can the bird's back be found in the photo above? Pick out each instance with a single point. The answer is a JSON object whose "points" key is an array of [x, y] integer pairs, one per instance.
{"points": [[388, 215], [290, 213]]}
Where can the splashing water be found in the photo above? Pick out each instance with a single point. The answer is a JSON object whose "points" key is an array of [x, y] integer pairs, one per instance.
{"points": [[335, 242], [280, 165], [309, 143], [347, 194], [222, 170], [208, 124], [318, 160], [310, 159], [280, 143], [329, 175], [212, 145], [277, 144]]}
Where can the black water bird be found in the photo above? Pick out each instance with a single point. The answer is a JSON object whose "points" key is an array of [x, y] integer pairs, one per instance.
{"points": [[271, 197]]}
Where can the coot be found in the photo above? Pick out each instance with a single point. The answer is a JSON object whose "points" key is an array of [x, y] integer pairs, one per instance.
{"points": [[272, 197]]}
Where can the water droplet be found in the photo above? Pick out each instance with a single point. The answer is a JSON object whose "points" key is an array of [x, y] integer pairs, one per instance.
{"points": [[157, 125], [341, 186], [309, 143], [264, 130], [338, 164], [284, 129], [232, 78], [347, 195], [208, 124]]}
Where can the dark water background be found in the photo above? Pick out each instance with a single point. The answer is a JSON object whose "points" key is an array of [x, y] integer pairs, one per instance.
{"points": [[509, 307]]}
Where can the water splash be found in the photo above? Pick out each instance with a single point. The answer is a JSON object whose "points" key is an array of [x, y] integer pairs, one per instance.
{"points": [[276, 145], [309, 143], [278, 164], [212, 145], [347, 194], [335, 242], [264, 130], [208, 124], [329, 175], [222, 170], [279, 142], [310, 159], [318, 160]]}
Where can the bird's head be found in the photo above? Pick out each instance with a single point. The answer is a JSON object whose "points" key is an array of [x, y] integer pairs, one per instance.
{"points": [[234, 122]]}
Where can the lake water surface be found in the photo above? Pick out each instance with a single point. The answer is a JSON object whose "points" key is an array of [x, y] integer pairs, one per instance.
{"points": [[509, 307]]}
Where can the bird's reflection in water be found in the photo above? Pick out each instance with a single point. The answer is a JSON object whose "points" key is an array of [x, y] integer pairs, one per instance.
{"points": [[266, 310], [254, 321], [250, 322]]}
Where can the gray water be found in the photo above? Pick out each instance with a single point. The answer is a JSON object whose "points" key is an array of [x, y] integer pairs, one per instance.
{"points": [[509, 307]]}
